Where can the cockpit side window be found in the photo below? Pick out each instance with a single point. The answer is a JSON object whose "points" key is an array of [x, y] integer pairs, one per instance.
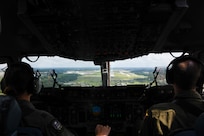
{"points": [[2, 70]]}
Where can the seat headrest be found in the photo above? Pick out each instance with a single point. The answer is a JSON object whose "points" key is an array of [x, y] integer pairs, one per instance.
{"points": [[10, 115], [199, 126]]}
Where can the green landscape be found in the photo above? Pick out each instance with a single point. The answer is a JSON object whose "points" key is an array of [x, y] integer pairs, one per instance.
{"points": [[86, 77], [92, 77]]}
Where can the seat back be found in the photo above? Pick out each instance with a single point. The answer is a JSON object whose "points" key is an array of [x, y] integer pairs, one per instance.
{"points": [[199, 126], [183, 132], [29, 131], [190, 132], [10, 116], [197, 131]]}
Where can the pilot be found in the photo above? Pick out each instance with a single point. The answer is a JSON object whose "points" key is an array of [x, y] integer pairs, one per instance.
{"points": [[184, 74], [19, 81]]}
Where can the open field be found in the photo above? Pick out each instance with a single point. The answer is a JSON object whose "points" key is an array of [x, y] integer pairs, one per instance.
{"points": [[92, 77]]}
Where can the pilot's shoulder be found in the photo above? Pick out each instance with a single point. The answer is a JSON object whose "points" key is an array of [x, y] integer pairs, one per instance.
{"points": [[51, 120], [45, 115]]}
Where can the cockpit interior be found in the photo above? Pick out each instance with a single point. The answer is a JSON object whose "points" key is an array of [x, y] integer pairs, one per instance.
{"points": [[101, 32]]}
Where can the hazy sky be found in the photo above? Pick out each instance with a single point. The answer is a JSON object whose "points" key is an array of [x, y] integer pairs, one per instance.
{"points": [[151, 60]]}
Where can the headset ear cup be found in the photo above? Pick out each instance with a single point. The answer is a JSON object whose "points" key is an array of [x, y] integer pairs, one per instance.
{"points": [[37, 84], [200, 80], [3, 84], [169, 73]]}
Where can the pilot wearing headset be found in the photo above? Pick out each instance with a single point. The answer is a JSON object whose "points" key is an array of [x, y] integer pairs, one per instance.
{"points": [[19, 81], [185, 75]]}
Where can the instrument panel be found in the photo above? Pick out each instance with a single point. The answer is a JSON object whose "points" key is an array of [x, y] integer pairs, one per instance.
{"points": [[81, 109]]}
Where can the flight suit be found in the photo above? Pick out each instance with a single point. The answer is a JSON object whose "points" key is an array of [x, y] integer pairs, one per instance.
{"points": [[164, 118], [43, 120]]}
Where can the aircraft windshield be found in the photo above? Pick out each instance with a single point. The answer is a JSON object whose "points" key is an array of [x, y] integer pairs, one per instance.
{"points": [[145, 70]]}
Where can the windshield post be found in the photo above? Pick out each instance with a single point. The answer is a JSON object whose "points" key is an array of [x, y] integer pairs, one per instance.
{"points": [[105, 73]]}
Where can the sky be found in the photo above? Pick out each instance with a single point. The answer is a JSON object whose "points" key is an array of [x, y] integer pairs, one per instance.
{"points": [[151, 60]]}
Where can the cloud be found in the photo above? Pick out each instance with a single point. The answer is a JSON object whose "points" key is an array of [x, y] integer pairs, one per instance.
{"points": [[151, 60], [54, 62]]}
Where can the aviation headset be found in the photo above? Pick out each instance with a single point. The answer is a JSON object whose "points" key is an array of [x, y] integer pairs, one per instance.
{"points": [[18, 73], [173, 66]]}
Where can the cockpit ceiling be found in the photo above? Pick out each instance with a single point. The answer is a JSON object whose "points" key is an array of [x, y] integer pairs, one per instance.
{"points": [[100, 30]]}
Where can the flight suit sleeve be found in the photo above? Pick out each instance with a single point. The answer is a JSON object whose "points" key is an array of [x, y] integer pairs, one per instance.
{"points": [[53, 127]]}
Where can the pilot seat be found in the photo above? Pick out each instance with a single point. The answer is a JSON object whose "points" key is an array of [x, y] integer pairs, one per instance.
{"points": [[10, 118]]}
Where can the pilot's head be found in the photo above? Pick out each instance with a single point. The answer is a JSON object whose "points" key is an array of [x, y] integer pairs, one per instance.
{"points": [[18, 79], [185, 72]]}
